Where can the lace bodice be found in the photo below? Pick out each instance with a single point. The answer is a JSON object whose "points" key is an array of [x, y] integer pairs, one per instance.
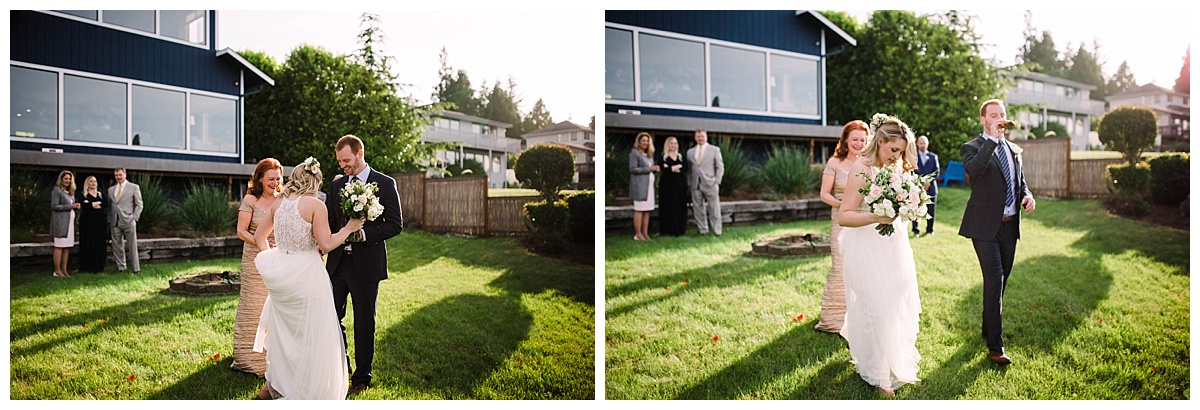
{"points": [[293, 233]]}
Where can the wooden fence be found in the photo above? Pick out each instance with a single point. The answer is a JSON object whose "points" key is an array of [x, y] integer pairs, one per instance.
{"points": [[1050, 171], [459, 205]]}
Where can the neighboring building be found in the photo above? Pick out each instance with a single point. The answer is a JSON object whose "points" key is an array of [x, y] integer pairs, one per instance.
{"points": [[1173, 110], [580, 139], [479, 139], [1056, 100], [754, 75], [144, 89]]}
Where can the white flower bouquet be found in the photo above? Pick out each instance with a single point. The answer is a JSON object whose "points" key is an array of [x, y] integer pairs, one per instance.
{"points": [[896, 194], [359, 201]]}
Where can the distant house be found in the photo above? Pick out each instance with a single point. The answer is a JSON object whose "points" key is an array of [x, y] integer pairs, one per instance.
{"points": [[1172, 109], [580, 139], [480, 139], [753, 75], [144, 89], [1056, 100]]}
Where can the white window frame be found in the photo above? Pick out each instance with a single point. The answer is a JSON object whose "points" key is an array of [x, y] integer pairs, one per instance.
{"points": [[208, 34]]}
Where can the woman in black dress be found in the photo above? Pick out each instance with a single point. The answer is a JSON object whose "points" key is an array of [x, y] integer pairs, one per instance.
{"points": [[93, 227], [673, 190]]}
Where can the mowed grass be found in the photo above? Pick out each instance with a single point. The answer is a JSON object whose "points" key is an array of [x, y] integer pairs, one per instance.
{"points": [[458, 318], [1097, 307]]}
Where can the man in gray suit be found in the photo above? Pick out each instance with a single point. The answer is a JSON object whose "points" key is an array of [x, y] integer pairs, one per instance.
{"points": [[704, 180], [122, 220], [991, 219]]}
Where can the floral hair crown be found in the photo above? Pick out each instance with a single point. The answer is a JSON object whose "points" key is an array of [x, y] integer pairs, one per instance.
{"points": [[877, 121], [311, 163]]}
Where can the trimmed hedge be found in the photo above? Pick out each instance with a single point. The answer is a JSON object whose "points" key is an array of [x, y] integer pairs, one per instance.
{"points": [[1169, 179], [581, 209], [548, 224], [1130, 186]]}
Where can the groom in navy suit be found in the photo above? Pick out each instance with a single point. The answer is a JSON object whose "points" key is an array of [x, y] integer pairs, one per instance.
{"points": [[991, 218], [927, 164], [356, 268]]}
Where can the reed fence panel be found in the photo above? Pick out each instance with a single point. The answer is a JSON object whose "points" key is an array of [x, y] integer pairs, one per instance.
{"points": [[456, 205], [506, 215]]}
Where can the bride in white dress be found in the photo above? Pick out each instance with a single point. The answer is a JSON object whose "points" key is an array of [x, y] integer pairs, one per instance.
{"points": [[880, 276], [306, 358]]}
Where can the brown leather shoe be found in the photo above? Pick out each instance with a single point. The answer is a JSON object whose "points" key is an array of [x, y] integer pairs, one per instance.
{"points": [[998, 358], [356, 389]]}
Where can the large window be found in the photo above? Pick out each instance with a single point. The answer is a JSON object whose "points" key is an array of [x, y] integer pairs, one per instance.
{"points": [[655, 68], [672, 70], [738, 78], [93, 110], [213, 124], [142, 20], [33, 103], [158, 117], [618, 64], [87, 14], [187, 25], [795, 85]]}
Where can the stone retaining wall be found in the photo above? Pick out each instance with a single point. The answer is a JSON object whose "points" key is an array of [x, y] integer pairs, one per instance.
{"points": [[619, 219], [160, 249]]}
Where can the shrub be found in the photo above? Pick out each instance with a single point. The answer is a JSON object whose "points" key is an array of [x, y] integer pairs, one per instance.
{"points": [[206, 211], [739, 169], [616, 166], [1059, 131], [789, 174], [547, 168], [460, 169], [29, 199], [157, 206], [1169, 180], [548, 224], [1129, 130], [581, 208], [1129, 186]]}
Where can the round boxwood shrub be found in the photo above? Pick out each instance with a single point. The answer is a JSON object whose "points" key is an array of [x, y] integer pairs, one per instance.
{"points": [[548, 168], [1128, 130], [1169, 180]]}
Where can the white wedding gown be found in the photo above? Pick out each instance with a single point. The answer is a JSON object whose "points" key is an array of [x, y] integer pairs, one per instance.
{"points": [[882, 304], [306, 358]]}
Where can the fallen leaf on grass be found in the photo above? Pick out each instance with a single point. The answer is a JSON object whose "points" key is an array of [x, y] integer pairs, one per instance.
{"points": [[132, 377], [798, 318], [716, 338]]}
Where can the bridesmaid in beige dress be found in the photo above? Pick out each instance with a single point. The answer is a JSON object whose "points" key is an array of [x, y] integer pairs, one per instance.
{"points": [[264, 184], [833, 184]]}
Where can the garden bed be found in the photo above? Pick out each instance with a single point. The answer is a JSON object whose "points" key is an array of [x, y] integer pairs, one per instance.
{"points": [[216, 283], [791, 246]]}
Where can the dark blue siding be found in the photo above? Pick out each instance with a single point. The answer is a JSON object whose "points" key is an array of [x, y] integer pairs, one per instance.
{"points": [[775, 29], [705, 114], [35, 145], [41, 38]]}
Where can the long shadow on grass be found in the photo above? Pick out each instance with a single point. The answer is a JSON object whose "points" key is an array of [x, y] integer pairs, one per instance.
{"points": [[151, 311], [800, 347], [213, 382], [451, 346], [1048, 297]]}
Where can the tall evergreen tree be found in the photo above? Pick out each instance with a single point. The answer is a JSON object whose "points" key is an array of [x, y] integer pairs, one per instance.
{"points": [[1183, 84], [1040, 51], [454, 87], [538, 118], [1086, 69], [501, 105], [1121, 80]]}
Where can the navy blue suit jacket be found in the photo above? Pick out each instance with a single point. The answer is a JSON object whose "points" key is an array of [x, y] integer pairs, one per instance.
{"points": [[370, 256], [927, 164]]}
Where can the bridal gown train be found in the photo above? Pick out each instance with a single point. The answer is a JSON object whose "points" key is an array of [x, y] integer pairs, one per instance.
{"points": [[306, 358], [882, 304]]}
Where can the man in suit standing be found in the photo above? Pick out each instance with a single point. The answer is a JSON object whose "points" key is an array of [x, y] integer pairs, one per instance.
{"points": [[991, 219], [356, 269], [124, 213], [704, 181], [927, 164]]}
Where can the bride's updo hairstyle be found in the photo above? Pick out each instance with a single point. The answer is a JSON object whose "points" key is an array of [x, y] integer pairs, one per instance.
{"points": [[305, 179], [889, 131]]}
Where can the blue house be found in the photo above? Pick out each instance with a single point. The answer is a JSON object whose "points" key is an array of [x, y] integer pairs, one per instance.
{"points": [[753, 75], [146, 90]]}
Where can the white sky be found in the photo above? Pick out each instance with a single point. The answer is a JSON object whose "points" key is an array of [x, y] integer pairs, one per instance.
{"points": [[551, 54]]}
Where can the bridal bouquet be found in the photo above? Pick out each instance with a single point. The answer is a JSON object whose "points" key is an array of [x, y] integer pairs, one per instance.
{"points": [[359, 201], [894, 194]]}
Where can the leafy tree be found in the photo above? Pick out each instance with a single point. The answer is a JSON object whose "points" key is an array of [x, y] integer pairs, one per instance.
{"points": [[548, 168], [1128, 130], [592, 125], [1183, 84], [318, 97], [1052, 129], [538, 118], [1040, 51], [924, 69], [1122, 80], [1086, 69], [455, 88]]}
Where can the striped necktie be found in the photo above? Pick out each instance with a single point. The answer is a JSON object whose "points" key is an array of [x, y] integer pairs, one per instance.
{"points": [[1001, 153]]}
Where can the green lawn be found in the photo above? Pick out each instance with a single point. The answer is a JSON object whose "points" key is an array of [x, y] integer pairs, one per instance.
{"points": [[458, 318], [1097, 308]]}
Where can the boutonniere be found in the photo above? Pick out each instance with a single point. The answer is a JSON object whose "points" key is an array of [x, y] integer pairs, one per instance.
{"points": [[1016, 149]]}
